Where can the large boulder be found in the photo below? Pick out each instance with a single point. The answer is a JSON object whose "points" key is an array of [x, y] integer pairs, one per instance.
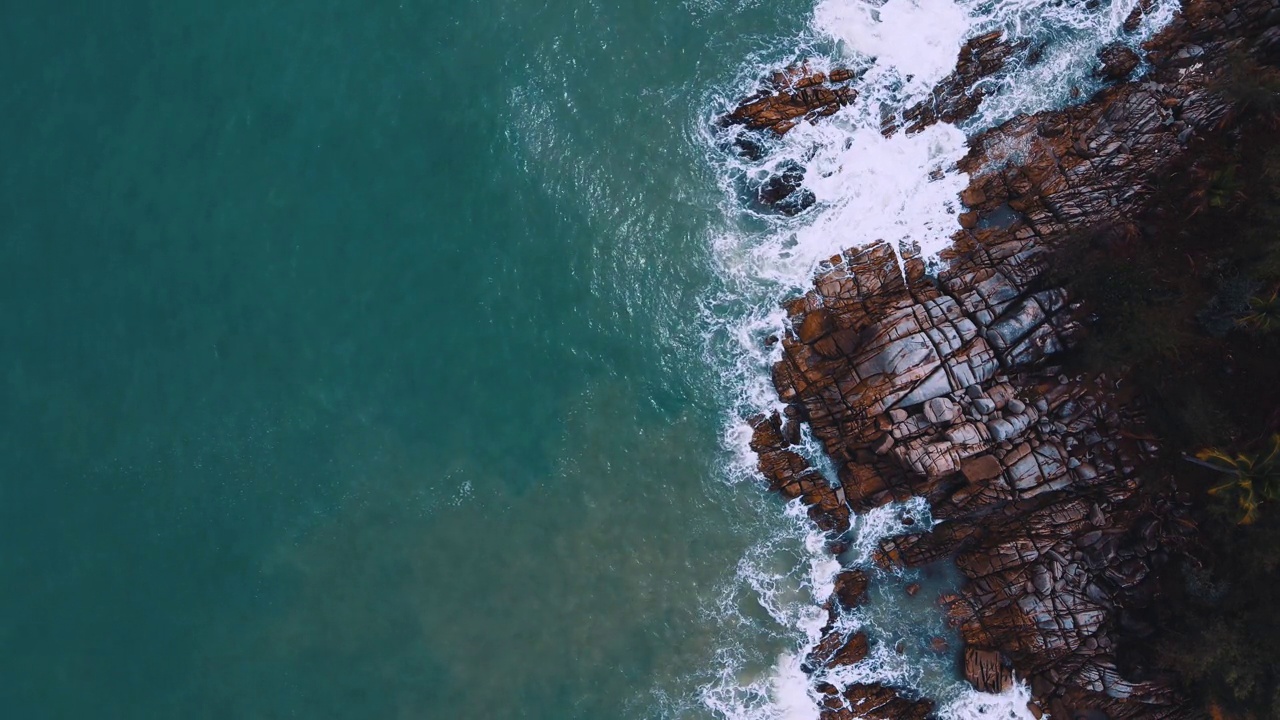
{"points": [[1118, 61]]}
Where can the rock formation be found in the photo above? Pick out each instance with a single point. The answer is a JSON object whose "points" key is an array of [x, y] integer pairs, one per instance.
{"points": [[956, 97], [792, 95], [946, 386]]}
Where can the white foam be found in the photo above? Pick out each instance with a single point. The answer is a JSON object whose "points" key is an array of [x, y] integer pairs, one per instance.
{"points": [[973, 705], [919, 39]]}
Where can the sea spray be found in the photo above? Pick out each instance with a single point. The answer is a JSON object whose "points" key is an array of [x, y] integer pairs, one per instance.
{"points": [[901, 190]]}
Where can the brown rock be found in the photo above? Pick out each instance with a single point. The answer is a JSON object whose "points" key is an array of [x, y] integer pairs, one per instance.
{"points": [[981, 468], [878, 702], [973, 196], [986, 670], [815, 325], [835, 650], [793, 95], [913, 589], [851, 588]]}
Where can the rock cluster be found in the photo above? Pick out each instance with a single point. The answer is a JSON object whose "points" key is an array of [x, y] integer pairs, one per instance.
{"points": [[945, 387], [1118, 61], [792, 95], [958, 96], [871, 702]]}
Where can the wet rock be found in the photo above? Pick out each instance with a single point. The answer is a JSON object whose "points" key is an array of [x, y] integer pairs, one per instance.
{"points": [[956, 96], [878, 702], [748, 148], [793, 95], [1118, 61], [1134, 19], [785, 192], [851, 588], [835, 650], [913, 589], [986, 670]]}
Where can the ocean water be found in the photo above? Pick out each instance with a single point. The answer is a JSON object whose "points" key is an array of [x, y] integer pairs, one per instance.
{"points": [[389, 359]]}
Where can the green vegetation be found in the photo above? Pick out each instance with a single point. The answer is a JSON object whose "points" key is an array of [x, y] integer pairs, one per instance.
{"points": [[1254, 89], [1255, 478], [1264, 313], [1216, 190]]}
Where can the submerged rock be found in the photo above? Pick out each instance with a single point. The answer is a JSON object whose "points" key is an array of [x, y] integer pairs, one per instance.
{"points": [[785, 192]]}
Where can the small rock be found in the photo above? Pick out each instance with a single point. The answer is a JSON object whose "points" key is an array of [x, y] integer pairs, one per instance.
{"points": [[748, 148], [984, 406], [1015, 406], [1096, 517], [939, 411], [939, 645], [1041, 579], [1118, 61], [913, 589], [785, 193], [885, 444]]}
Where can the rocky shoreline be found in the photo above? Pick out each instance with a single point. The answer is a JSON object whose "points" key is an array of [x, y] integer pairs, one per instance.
{"points": [[950, 386]]}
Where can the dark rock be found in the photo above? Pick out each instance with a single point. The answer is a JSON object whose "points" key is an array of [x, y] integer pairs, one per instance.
{"points": [[785, 192], [1118, 61], [748, 148], [956, 98]]}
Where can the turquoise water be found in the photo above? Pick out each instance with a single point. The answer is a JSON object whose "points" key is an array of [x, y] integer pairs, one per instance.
{"points": [[353, 365]]}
